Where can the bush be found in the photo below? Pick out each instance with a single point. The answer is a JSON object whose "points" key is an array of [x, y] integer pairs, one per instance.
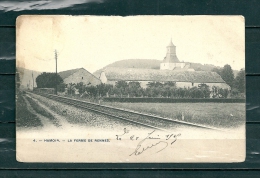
{"points": [[154, 89], [223, 92], [48, 80]]}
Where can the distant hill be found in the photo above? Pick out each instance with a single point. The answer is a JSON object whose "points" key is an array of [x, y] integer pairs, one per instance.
{"points": [[137, 63], [151, 64]]}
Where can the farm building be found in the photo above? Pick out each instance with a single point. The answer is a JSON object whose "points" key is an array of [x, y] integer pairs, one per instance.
{"points": [[79, 75], [182, 79], [171, 70]]}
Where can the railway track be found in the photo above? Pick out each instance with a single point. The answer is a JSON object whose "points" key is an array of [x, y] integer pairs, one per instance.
{"points": [[146, 120]]}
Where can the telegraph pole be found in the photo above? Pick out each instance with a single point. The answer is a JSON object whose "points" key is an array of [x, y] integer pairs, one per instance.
{"points": [[56, 59], [33, 80]]}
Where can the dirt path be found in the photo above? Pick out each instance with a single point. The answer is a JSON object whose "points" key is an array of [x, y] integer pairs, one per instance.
{"points": [[45, 121], [62, 122]]}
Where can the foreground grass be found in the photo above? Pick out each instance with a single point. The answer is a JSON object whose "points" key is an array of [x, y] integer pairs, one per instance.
{"points": [[42, 111], [221, 115], [24, 118]]}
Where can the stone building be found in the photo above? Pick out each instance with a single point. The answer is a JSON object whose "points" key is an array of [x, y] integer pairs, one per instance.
{"points": [[171, 70], [171, 61], [79, 75], [182, 79]]}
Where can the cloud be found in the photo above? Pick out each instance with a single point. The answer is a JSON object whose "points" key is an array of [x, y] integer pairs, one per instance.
{"points": [[41, 5]]}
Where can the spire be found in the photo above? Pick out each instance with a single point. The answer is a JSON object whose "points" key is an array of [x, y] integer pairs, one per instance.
{"points": [[171, 44]]}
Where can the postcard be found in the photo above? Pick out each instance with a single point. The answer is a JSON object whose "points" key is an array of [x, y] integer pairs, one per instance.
{"points": [[135, 89]]}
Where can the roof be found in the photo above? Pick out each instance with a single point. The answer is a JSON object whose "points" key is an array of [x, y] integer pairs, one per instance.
{"points": [[171, 58], [67, 73], [171, 44], [134, 74]]}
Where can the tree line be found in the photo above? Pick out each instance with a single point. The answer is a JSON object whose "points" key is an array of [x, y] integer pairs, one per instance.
{"points": [[237, 83], [154, 89]]}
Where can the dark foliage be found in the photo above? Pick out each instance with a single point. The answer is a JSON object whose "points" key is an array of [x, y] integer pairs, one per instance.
{"points": [[227, 75], [134, 89], [239, 82], [174, 100], [48, 80]]}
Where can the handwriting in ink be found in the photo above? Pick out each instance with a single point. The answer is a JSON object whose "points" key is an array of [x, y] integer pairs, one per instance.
{"points": [[140, 148], [119, 137]]}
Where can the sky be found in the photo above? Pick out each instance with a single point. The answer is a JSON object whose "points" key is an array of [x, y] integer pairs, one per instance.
{"points": [[93, 42]]}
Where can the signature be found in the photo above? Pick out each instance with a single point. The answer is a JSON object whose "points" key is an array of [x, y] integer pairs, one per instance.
{"points": [[140, 149], [158, 142]]}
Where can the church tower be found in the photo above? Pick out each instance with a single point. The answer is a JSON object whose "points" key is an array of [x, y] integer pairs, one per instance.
{"points": [[171, 61], [171, 54]]}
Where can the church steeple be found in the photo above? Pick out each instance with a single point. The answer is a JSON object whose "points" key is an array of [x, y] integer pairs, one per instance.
{"points": [[171, 54], [171, 61], [170, 44]]}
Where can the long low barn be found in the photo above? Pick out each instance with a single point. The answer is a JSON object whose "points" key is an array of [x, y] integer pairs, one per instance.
{"points": [[144, 76]]}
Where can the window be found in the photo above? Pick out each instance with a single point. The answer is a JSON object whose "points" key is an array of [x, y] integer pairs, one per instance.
{"points": [[82, 78]]}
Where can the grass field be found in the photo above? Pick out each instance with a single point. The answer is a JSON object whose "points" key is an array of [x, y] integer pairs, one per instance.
{"points": [[24, 118], [221, 115]]}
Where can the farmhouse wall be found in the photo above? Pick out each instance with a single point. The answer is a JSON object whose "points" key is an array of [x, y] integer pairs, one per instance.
{"points": [[184, 84], [219, 85], [172, 66], [103, 77]]}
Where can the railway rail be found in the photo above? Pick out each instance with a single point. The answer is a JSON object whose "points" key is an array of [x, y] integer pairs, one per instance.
{"points": [[143, 119]]}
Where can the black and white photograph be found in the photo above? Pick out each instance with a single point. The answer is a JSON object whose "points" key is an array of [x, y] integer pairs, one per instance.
{"points": [[135, 89]]}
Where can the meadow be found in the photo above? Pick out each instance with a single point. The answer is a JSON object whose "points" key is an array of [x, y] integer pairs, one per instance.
{"points": [[24, 118], [220, 115]]}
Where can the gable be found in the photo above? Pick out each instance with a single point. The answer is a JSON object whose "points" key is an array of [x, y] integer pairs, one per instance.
{"points": [[67, 73], [78, 76]]}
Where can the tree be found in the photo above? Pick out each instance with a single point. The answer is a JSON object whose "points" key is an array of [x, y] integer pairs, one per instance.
{"points": [[205, 90], [80, 87], [223, 92], [227, 75], [71, 88], [61, 87], [92, 91], [154, 84], [239, 82], [48, 80], [170, 84], [135, 89], [217, 70], [103, 89], [122, 86]]}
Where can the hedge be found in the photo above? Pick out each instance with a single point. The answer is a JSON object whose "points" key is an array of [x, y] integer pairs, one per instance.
{"points": [[174, 100]]}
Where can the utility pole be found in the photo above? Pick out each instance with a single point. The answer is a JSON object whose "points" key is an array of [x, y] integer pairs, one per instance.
{"points": [[33, 80], [56, 59]]}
